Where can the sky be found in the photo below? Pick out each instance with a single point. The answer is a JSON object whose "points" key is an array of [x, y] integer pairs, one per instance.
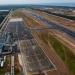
{"points": [[6, 2]]}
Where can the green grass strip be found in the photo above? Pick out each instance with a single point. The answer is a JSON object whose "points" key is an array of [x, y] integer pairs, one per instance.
{"points": [[64, 52]]}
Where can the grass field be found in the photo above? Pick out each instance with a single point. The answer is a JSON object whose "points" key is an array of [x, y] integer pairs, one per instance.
{"points": [[64, 52]]}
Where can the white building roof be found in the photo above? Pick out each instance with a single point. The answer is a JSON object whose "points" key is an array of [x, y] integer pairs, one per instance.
{"points": [[15, 19]]}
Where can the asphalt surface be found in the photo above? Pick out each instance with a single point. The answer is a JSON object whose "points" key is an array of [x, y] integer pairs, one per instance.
{"points": [[33, 57]]}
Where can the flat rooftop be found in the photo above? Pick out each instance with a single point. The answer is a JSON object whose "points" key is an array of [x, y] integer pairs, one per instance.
{"points": [[15, 19]]}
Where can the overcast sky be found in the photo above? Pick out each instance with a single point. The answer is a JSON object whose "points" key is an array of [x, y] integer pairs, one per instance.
{"points": [[2, 2]]}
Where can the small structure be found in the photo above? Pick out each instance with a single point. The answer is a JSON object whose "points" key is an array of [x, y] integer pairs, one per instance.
{"points": [[1, 57]]}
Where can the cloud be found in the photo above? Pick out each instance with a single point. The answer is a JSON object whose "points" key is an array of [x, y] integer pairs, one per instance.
{"points": [[22, 1]]}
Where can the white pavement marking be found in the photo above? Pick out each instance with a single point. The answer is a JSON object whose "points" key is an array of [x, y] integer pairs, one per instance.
{"points": [[20, 60], [12, 65]]}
